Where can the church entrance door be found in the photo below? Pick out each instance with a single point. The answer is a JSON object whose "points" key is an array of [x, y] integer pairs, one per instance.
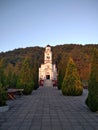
{"points": [[47, 76]]}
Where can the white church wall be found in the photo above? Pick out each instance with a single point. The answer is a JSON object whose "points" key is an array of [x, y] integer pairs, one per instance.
{"points": [[48, 70]]}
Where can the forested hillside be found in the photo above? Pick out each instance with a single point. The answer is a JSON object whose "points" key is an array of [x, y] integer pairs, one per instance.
{"points": [[82, 55]]}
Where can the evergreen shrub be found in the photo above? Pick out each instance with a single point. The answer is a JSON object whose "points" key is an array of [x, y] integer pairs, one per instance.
{"points": [[26, 80], [3, 96], [92, 99], [72, 84], [28, 89]]}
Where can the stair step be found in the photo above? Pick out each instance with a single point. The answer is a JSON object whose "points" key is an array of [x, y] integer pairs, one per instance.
{"points": [[48, 83]]}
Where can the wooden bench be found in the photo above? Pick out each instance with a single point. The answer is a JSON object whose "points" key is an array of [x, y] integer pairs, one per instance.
{"points": [[13, 92]]}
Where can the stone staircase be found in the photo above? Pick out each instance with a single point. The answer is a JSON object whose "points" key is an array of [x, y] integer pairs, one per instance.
{"points": [[48, 83]]}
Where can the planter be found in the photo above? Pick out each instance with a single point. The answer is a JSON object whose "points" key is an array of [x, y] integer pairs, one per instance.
{"points": [[4, 108]]}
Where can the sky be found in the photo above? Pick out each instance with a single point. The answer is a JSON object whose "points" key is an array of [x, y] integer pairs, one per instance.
{"points": [[29, 23]]}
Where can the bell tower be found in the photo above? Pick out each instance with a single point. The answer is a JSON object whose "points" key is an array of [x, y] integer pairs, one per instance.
{"points": [[47, 71], [48, 55]]}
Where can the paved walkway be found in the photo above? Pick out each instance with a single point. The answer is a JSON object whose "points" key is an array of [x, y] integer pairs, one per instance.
{"points": [[47, 109]]}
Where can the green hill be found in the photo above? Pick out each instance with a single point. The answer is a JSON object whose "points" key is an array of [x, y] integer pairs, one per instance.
{"points": [[81, 54]]}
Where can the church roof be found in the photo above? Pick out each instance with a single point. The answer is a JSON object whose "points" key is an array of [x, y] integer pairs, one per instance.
{"points": [[48, 45]]}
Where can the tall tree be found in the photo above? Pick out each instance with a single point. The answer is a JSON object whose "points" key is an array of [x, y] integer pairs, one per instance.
{"points": [[71, 83], [92, 99], [35, 73], [10, 76], [60, 78], [61, 72], [2, 76], [3, 94], [26, 77]]}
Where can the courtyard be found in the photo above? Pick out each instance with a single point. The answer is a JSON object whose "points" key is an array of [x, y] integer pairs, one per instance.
{"points": [[47, 109]]}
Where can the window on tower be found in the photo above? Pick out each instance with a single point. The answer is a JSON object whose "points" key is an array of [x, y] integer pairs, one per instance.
{"points": [[48, 57]]}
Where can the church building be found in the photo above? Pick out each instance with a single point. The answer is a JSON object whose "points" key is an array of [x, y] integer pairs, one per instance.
{"points": [[48, 71]]}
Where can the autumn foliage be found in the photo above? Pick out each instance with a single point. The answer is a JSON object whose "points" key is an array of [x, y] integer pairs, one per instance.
{"points": [[12, 70]]}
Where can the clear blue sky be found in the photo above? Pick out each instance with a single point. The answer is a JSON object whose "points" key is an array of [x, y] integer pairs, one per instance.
{"points": [[26, 23]]}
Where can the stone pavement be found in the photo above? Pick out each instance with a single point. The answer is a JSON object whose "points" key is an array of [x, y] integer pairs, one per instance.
{"points": [[47, 109]]}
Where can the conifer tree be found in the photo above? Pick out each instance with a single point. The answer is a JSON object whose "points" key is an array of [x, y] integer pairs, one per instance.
{"points": [[3, 94], [92, 99], [26, 77], [60, 79], [71, 83], [2, 75], [10, 76], [35, 73]]}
